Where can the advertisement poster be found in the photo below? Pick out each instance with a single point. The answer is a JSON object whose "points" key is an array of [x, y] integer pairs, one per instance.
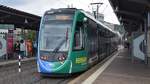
{"points": [[2, 47], [10, 43]]}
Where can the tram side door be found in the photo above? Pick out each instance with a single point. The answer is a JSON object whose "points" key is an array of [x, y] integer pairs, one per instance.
{"points": [[79, 51], [91, 42]]}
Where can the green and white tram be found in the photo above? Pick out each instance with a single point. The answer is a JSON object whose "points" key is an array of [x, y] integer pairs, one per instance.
{"points": [[70, 41]]}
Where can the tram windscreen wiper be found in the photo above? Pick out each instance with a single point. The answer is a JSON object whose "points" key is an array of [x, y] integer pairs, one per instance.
{"points": [[59, 46], [61, 43]]}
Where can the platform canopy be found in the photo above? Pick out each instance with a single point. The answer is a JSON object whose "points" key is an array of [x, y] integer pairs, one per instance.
{"points": [[19, 18], [131, 13]]}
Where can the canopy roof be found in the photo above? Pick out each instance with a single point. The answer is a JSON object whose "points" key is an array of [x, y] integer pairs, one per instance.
{"points": [[19, 18], [131, 13]]}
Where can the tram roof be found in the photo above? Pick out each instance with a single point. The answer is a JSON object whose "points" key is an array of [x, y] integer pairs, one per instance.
{"points": [[72, 10], [61, 10], [131, 13], [19, 18], [91, 17]]}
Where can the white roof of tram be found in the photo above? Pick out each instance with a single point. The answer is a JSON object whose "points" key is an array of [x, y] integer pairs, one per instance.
{"points": [[91, 17]]}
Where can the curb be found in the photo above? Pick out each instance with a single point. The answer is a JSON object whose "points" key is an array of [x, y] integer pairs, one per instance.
{"points": [[16, 61]]}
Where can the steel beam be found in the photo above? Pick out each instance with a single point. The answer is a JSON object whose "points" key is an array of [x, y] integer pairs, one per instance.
{"points": [[114, 3], [7, 12], [130, 20], [4, 16], [129, 13], [143, 2]]}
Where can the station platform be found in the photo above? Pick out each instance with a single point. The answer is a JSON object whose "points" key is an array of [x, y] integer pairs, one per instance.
{"points": [[118, 69], [10, 62], [123, 71]]}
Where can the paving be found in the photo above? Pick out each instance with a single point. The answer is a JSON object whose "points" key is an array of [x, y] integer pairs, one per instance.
{"points": [[9, 73], [123, 71]]}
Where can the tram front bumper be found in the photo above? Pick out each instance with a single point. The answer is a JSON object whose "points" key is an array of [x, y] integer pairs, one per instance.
{"points": [[55, 67]]}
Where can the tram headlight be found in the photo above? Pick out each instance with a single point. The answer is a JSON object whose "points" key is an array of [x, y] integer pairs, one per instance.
{"points": [[44, 57], [61, 57]]}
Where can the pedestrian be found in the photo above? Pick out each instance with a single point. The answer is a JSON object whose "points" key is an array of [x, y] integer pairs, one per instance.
{"points": [[29, 47], [128, 45], [22, 49], [17, 48]]}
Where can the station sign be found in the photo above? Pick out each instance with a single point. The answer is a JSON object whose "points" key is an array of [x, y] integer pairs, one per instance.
{"points": [[7, 26]]}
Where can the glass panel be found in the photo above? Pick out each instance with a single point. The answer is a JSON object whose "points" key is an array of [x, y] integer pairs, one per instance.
{"points": [[55, 33], [79, 37]]}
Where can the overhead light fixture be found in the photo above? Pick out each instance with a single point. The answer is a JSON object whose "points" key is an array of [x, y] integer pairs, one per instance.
{"points": [[26, 21], [116, 9]]}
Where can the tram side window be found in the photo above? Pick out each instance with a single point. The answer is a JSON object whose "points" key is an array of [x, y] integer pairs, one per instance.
{"points": [[78, 37]]}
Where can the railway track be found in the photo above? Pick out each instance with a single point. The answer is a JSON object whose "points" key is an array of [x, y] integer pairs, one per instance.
{"points": [[29, 75]]}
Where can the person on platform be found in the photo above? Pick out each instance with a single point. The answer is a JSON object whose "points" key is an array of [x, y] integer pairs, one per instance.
{"points": [[29, 48], [17, 48], [22, 48]]}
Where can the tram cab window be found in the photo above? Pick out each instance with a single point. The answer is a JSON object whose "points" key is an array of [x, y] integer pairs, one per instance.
{"points": [[78, 37]]}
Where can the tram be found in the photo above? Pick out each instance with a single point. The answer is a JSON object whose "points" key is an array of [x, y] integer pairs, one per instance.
{"points": [[71, 40]]}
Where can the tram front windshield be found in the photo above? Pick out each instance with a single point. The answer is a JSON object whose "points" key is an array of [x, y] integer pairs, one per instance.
{"points": [[55, 32]]}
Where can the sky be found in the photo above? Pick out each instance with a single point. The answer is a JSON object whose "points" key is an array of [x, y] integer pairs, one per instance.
{"points": [[38, 7]]}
